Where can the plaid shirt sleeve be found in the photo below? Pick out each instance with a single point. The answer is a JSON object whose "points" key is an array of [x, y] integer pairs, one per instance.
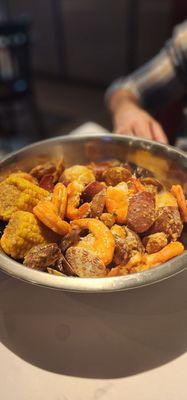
{"points": [[162, 79]]}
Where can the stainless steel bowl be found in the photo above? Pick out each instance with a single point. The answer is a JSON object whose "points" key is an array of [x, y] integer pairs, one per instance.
{"points": [[167, 163]]}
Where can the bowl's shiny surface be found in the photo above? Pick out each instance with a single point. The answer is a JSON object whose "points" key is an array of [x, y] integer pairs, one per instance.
{"points": [[168, 164]]}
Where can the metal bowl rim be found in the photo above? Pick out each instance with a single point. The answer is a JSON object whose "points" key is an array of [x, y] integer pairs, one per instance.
{"points": [[91, 285]]}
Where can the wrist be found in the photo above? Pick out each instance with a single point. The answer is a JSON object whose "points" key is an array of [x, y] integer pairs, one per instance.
{"points": [[122, 99]]}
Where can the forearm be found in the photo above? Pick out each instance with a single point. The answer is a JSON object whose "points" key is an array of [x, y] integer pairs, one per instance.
{"points": [[126, 101], [159, 81], [152, 86]]}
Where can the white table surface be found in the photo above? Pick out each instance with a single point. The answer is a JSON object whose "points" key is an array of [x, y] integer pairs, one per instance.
{"points": [[60, 346]]}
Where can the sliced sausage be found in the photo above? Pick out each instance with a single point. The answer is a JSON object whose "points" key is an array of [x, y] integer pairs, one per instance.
{"points": [[114, 175], [101, 167], [43, 169], [91, 190], [155, 242], [121, 252], [48, 169], [98, 204], [168, 220], [47, 182], [141, 211]]}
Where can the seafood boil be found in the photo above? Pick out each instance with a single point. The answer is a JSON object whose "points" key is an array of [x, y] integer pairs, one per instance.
{"points": [[97, 220]]}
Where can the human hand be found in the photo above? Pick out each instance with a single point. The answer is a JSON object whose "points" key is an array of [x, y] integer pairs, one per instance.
{"points": [[130, 119]]}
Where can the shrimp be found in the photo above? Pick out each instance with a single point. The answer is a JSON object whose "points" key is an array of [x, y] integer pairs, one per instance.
{"points": [[173, 249], [45, 211], [177, 191], [59, 199], [103, 244], [115, 271], [147, 261], [51, 213], [87, 241], [120, 270], [117, 201], [134, 261], [74, 191], [139, 268]]}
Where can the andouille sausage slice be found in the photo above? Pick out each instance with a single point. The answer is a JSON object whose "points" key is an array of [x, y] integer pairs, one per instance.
{"points": [[101, 167], [155, 242], [114, 175], [168, 220], [41, 170], [121, 253], [141, 211], [47, 182], [98, 204], [91, 190]]}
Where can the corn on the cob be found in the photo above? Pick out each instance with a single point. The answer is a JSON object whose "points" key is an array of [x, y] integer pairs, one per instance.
{"points": [[17, 193], [24, 175], [22, 233]]}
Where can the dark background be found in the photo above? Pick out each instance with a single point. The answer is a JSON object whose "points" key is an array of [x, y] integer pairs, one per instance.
{"points": [[97, 40], [80, 46]]}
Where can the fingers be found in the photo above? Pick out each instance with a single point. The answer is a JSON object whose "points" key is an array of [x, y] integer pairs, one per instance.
{"points": [[158, 133], [121, 130], [149, 129], [137, 122], [142, 129]]}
